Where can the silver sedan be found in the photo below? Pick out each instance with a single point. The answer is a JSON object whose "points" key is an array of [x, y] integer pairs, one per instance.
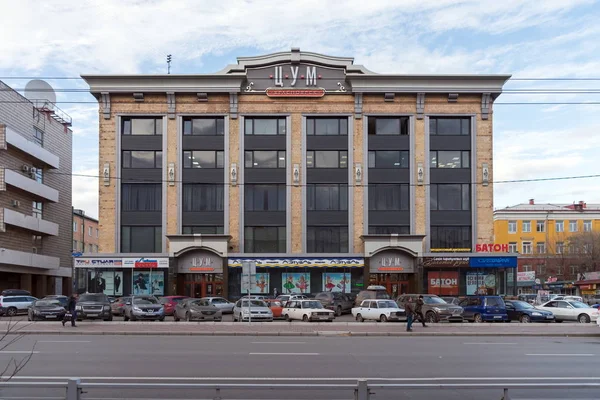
{"points": [[222, 304]]}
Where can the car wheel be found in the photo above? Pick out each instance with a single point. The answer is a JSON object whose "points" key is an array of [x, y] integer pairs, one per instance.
{"points": [[430, 317], [583, 319], [161, 319], [11, 312], [218, 320], [125, 317], [558, 321], [478, 318], [175, 318], [133, 318], [338, 311], [525, 319], [109, 319], [382, 318], [360, 318], [188, 317], [29, 318], [305, 318], [287, 318]]}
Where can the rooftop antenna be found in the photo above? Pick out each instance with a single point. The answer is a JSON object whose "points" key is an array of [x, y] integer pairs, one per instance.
{"points": [[169, 58]]}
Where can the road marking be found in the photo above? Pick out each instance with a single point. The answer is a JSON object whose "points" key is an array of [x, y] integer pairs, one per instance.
{"points": [[64, 341], [470, 343], [283, 354], [560, 355], [375, 378], [278, 342], [18, 352]]}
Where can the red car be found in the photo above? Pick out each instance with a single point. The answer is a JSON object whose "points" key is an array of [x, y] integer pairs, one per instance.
{"points": [[170, 302]]}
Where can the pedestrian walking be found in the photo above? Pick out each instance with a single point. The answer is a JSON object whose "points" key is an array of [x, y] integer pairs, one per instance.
{"points": [[71, 310], [419, 310], [410, 311]]}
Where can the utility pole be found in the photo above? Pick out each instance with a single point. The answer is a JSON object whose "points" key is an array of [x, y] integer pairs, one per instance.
{"points": [[169, 58]]}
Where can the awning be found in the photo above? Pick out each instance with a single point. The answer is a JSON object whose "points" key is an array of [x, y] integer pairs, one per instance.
{"points": [[590, 282]]}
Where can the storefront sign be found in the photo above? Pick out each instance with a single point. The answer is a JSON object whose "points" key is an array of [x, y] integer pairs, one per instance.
{"points": [[199, 262], [445, 262], [307, 262], [526, 276], [590, 286], [98, 263], [463, 250], [479, 282], [493, 262], [443, 282], [147, 263], [588, 276], [491, 248], [392, 262], [276, 92], [296, 76]]}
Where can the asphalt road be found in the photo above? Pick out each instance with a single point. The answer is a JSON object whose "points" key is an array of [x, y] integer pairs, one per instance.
{"points": [[322, 360]]}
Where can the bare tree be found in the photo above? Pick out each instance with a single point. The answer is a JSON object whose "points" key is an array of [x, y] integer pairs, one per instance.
{"points": [[584, 251], [9, 337]]}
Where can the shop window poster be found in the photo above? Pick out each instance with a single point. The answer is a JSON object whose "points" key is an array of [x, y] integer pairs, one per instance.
{"points": [[107, 282], [479, 282], [152, 282], [295, 283], [260, 283], [336, 282]]}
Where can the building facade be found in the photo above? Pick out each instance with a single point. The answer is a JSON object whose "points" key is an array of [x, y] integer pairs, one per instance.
{"points": [[85, 233], [35, 195], [555, 243], [326, 175]]}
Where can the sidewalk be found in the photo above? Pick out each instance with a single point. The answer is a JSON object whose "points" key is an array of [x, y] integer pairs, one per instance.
{"points": [[300, 329]]}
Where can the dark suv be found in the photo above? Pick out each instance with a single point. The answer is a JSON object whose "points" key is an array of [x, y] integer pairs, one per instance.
{"points": [[336, 301], [435, 309], [94, 306]]}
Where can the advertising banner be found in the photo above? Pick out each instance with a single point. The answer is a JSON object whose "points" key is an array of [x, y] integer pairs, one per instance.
{"points": [[107, 282], [336, 282], [259, 284], [148, 263], [151, 282], [80, 262], [295, 283], [443, 283], [479, 282], [493, 262], [525, 276]]}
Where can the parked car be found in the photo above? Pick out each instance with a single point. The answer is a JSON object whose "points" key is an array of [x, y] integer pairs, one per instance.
{"points": [[307, 310], [335, 301], [222, 304], [574, 298], [15, 292], [170, 302], [569, 310], [484, 308], [14, 305], [284, 298], [372, 292], [276, 307], [118, 307], [144, 307], [63, 300], [435, 309], [93, 306], [451, 300], [524, 312], [45, 310], [379, 310], [196, 310], [254, 310], [529, 298]]}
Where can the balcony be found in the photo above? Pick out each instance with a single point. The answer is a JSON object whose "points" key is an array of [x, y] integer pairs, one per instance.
{"points": [[31, 148], [14, 218], [29, 185], [30, 260]]}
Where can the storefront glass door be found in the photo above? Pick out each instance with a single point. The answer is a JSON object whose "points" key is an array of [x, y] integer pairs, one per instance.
{"points": [[201, 285]]}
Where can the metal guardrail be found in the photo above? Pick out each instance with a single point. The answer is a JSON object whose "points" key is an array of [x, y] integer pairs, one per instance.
{"points": [[363, 390]]}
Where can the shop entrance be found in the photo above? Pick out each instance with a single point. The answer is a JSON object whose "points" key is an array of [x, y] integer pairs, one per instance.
{"points": [[200, 285], [395, 284]]}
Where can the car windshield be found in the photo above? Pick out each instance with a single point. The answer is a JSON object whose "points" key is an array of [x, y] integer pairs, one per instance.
{"points": [[578, 304], [433, 300], [312, 304], [94, 297], [522, 305], [387, 304], [145, 300], [254, 303], [46, 303]]}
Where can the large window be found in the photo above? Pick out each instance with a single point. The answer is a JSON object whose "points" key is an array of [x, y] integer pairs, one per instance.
{"points": [[204, 230], [512, 226], [527, 248], [209, 126], [203, 159], [327, 197], [269, 239], [38, 137], [526, 226], [388, 197], [203, 197], [451, 237], [142, 159], [327, 126], [141, 197], [450, 197], [38, 209], [449, 159], [512, 247], [142, 126], [326, 159], [540, 226], [587, 226], [265, 159], [572, 226], [264, 197], [389, 230], [388, 125], [388, 159], [141, 239], [264, 126], [560, 226], [327, 239], [36, 243], [449, 126], [541, 248]]}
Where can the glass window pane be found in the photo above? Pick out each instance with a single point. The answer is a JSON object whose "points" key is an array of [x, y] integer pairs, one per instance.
{"points": [[343, 198], [248, 159], [204, 126], [142, 159], [343, 126], [327, 126], [265, 159], [387, 159], [310, 197], [433, 196], [466, 126], [449, 197], [281, 159], [126, 159], [466, 197], [220, 159], [327, 159], [159, 126], [448, 126], [263, 126], [404, 197], [449, 159], [281, 197], [158, 159], [126, 127], [387, 126], [404, 161], [203, 159], [282, 127], [343, 159], [433, 159], [432, 126], [187, 159], [220, 126], [157, 239], [142, 126], [371, 159], [310, 126], [466, 159], [125, 239], [248, 126], [187, 127], [310, 158]]}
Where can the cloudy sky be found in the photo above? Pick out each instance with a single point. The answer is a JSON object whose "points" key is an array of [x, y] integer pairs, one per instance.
{"points": [[529, 39]]}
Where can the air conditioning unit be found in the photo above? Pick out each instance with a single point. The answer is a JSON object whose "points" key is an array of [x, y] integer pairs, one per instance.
{"points": [[16, 203], [26, 168], [32, 172]]}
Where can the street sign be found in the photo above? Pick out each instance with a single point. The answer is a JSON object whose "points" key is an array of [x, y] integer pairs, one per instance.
{"points": [[77, 254], [248, 268]]}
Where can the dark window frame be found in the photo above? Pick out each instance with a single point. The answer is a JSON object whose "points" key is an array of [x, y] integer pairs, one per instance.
{"points": [[250, 197], [218, 155], [465, 243], [191, 229], [37, 209], [312, 203], [127, 161], [403, 197], [127, 248], [403, 125], [403, 159], [434, 158], [250, 123], [210, 200], [389, 229], [38, 136], [249, 162], [250, 243], [435, 197], [127, 126], [219, 128], [316, 244], [127, 202], [312, 156], [311, 126], [464, 129]]}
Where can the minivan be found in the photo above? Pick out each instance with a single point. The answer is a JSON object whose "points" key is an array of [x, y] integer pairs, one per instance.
{"points": [[484, 308], [336, 301]]}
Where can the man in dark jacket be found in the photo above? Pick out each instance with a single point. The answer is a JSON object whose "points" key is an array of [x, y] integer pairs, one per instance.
{"points": [[419, 310], [410, 311], [71, 309]]}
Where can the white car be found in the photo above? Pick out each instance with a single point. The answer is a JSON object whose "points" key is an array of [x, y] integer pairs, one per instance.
{"points": [[379, 310], [253, 310], [307, 310], [284, 298], [568, 298], [569, 310]]}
